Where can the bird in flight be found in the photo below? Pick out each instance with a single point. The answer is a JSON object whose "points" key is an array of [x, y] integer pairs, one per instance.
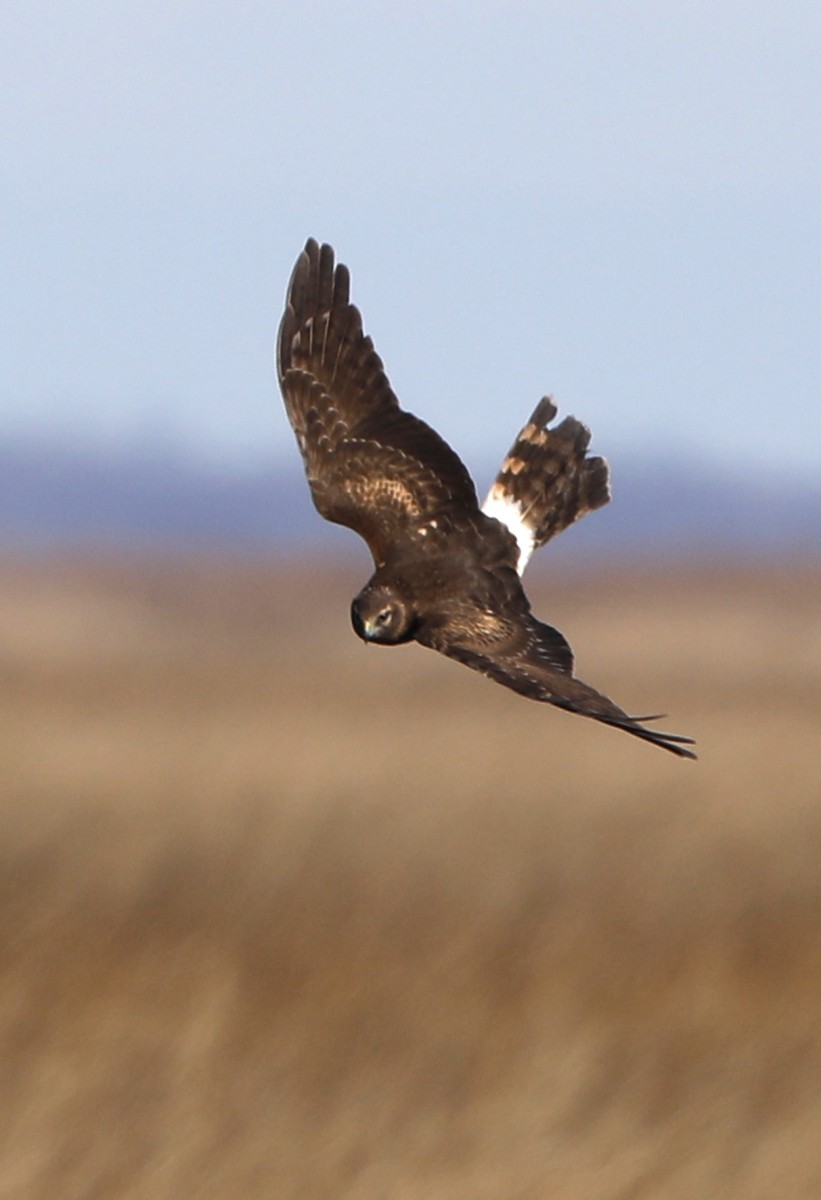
{"points": [[448, 572]]}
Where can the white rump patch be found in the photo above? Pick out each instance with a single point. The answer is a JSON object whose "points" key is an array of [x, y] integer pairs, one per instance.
{"points": [[506, 510]]}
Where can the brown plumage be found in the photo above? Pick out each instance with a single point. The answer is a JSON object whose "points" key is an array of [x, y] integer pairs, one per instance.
{"points": [[447, 572], [547, 479]]}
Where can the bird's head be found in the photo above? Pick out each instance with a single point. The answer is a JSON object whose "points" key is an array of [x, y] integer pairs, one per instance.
{"points": [[379, 614]]}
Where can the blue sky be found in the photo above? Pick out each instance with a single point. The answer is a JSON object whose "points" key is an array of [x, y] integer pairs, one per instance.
{"points": [[615, 203]]}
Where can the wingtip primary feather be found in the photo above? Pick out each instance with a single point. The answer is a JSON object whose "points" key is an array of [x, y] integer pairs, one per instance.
{"points": [[675, 743]]}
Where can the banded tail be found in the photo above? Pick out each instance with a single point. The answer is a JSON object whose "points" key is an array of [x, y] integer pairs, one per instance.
{"points": [[546, 482]]}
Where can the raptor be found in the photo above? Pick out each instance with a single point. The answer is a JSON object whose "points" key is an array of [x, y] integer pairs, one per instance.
{"points": [[448, 571]]}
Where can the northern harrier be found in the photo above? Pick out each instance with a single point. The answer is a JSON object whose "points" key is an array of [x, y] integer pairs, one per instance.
{"points": [[447, 570]]}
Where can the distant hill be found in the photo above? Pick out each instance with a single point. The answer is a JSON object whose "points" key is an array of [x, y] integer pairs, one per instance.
{"points": [[55, 497]]}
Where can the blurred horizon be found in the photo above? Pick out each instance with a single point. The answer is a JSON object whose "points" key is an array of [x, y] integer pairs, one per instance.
{"points": [[64, 498]]}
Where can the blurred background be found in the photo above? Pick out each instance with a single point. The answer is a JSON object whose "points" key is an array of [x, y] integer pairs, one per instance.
{"points": [[280, 916]]}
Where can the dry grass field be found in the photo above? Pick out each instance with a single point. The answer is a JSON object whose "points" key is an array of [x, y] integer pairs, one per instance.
{"points": [[285, 916]]}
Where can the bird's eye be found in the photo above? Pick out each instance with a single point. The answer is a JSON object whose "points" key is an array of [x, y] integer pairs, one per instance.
{"points": [[383, 617]]}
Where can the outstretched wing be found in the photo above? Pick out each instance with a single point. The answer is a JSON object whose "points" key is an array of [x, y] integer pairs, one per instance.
{"points": [[370, 465], [535, 660]]}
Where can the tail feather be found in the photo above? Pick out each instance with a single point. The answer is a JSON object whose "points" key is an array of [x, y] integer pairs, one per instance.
{"points": [[547, 482]]}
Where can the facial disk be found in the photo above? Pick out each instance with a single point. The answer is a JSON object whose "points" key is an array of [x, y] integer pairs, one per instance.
{"points": [[379, 615]]}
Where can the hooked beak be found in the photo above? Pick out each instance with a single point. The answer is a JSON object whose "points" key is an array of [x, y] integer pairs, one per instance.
{"points": [[362, 628]]}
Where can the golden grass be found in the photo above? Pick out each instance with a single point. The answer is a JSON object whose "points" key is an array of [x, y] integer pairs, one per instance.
{"points": [[284, 916]]}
